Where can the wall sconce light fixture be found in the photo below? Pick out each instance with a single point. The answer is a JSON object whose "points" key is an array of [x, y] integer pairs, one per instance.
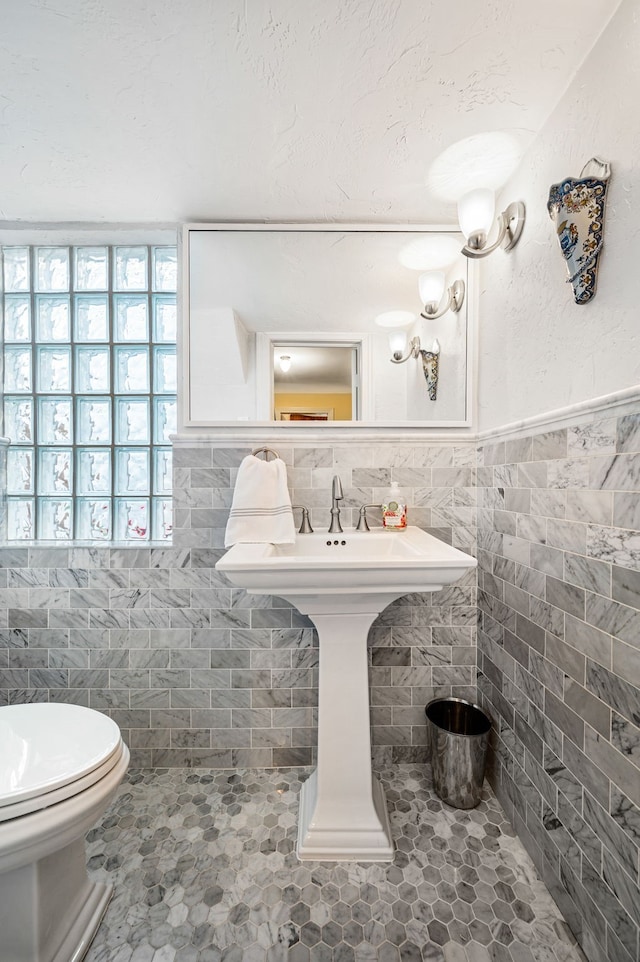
{"points": [[476, 214], [431, 287], [412, 350], [430, 362], [397, 323], [284, 362], [400, 352]]}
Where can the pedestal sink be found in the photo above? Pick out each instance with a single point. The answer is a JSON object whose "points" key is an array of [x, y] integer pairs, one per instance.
{"points": [[342, 582]]}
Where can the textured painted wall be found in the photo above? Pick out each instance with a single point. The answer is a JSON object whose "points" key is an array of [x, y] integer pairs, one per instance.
{"points": [[539, 351], [559, 660], [322, 109], [198, 673]]}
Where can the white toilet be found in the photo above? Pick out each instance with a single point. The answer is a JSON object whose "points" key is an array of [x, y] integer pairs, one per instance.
{"points": [[60, 767]]}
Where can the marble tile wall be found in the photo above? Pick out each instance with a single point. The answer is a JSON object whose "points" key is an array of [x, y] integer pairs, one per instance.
{"points": [[197, 673], [559, 664]]}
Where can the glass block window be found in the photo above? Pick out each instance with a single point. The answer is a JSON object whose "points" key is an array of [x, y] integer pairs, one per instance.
{"points": [[89, 397]]}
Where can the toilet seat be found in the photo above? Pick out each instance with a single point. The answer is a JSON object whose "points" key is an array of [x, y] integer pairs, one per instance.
{"points": [[36, 802], [52, 752]]}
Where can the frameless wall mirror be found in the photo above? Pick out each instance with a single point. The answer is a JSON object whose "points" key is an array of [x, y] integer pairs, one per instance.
{"points": [[280, 325]]}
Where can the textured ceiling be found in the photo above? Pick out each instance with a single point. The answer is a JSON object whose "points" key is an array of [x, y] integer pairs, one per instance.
{"points": [[157, 111]]}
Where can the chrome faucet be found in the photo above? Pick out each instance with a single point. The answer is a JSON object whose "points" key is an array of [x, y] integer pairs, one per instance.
{"points": [[305, 525], [336, 495], [363, 524]]}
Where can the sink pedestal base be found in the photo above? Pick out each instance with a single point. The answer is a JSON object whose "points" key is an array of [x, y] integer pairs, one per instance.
{"points": [[353, 844], [343, 812]]}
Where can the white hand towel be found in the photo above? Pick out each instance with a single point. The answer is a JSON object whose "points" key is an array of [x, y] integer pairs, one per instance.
{"points": [[261, 508]]}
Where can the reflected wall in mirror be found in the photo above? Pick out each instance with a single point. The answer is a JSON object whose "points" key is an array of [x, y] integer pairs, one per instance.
{"points": [[253, 291]]}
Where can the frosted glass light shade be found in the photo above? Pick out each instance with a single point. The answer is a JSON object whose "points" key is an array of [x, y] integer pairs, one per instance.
{"points": [[476, 211], [285, 363], [431, 287], [398, 342]]}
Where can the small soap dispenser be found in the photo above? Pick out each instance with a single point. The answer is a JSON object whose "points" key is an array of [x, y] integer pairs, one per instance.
{"points": [[394, 509]]}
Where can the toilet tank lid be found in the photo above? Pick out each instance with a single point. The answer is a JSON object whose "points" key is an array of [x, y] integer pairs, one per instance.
{"points": [[45, 746]]}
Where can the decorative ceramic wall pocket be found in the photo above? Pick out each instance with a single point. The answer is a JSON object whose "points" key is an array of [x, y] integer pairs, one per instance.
{"points": [[576, 206], [430, 361]]}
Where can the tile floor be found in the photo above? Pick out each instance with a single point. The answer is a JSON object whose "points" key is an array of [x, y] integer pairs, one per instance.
{"points": [[205, 870]]}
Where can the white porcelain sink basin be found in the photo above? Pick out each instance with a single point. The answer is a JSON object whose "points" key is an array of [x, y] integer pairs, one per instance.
{"points": [[368, 562], [343, 582]]}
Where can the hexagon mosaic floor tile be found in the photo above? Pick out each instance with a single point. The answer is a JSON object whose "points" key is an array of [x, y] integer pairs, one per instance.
{"points": [[205, 870]]}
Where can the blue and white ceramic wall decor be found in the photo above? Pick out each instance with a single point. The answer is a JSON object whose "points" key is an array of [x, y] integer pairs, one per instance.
{"points": [[576, 206], [430, 365]]}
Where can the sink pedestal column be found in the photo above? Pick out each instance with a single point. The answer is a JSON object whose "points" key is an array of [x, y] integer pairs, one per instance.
{"points": [[343, 812]]}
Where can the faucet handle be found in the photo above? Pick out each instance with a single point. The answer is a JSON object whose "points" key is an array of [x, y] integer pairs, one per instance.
{"points": [[305, 524], [363, 524]]}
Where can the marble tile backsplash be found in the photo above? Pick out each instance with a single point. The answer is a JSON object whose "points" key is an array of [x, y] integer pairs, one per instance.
{"points": [[559, 664], [197, 673]]}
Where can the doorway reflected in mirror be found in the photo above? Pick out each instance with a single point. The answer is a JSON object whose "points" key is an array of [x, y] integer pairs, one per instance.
{"points": [[315, 382]]}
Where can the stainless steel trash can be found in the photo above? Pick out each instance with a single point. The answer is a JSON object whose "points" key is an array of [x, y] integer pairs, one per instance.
{"points": [[458, 736]]}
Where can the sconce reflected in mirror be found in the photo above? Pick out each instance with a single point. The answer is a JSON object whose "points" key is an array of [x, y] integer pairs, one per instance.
{"points": [[398, 345], [402, 353], [476, 214], [431, 287], [397, 322]]}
